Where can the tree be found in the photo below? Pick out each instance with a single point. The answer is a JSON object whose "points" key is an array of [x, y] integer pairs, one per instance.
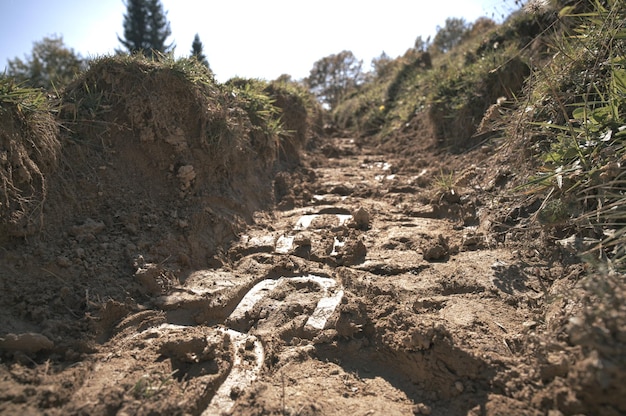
{"points": [[334, 76], [381, 64], [451, 34], [197, 51], [422, 45], [146, 28], [51, 64], [159, 27]]}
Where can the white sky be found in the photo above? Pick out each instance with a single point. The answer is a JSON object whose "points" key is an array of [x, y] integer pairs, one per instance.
{"points": [[248, 38]]}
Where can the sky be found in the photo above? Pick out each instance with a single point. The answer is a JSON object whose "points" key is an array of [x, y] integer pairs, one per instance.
{"points": [[247, 38]]}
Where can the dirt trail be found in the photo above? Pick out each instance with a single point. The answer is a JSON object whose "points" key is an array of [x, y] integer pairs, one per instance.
{"points": [[432, 310], [368, 298]]}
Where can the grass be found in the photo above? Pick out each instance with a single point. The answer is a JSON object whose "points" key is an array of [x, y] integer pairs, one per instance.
{"points": [[577, 127], [451, 89], [444, 182], [150, 385], [20, 98], [29, 149]]}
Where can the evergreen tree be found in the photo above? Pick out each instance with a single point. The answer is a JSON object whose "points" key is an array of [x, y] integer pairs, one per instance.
{"points": [[145, 27], [197, 51], [159, 27]]}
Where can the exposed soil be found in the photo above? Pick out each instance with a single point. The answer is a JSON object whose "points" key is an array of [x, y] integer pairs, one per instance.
{"points": [[373, 287]]}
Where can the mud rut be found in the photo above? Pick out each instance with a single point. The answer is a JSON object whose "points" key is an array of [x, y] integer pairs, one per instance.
{"points": [[366, 301]]}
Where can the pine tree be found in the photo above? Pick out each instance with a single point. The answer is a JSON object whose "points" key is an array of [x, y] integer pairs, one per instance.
{"points": [[197, 51], [145, 27], [159, 27]]}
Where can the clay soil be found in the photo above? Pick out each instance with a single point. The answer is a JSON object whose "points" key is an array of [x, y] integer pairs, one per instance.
{"points": [[375, 285]]}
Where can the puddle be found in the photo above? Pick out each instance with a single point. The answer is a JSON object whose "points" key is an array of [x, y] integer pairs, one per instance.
{"points": [[263, 289], [305, 221], [324, 310], [336, 245], [248, 352], [377, 165], [258, 241], [343, 218], [284, 244], [248, 357]]}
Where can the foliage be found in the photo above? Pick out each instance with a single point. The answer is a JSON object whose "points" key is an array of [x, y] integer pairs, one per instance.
{"points": [[197, 51], [449, 92], [146, 28], [334, 76], [577, 126], [21, 99], [51, 65], [422, 45], [381, 64], [251, 93], [451, 34], [300, 112]]}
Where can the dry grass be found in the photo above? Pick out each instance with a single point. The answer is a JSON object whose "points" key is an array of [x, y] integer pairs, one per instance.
{"points": [[29, 149]]}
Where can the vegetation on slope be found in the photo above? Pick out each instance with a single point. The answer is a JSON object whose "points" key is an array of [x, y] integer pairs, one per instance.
{"points": [[172, 108], [29, 149], [550, 82]]}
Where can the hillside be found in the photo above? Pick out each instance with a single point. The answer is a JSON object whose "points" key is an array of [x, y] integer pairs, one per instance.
{"points": [[447, 239]]}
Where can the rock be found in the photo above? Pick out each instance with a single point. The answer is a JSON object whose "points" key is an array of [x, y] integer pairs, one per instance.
{"points": [[63, 261], [348, 252], [303, 239], [89, 227], [361, 219], [556, 365], [437, 251], [28, 343], [422, 409], [473, 240], [150, 278], [186, 174]]}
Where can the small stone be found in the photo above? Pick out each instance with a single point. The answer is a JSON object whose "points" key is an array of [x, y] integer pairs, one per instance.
{"points": [[302, 239], [459, 387], [28, 343], [361, 219], [63, 261], [186, 174], [436, 252], [529, 324], [89, 227], [422, 409]]}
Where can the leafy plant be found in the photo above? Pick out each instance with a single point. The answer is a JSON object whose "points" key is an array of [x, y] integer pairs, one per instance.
{"points": [[50, 65], [334, 76], [581, 126], [148, 386]]}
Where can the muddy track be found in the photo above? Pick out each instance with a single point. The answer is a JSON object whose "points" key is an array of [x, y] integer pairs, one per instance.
{"points": [[363, 293], [368, 299]]}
